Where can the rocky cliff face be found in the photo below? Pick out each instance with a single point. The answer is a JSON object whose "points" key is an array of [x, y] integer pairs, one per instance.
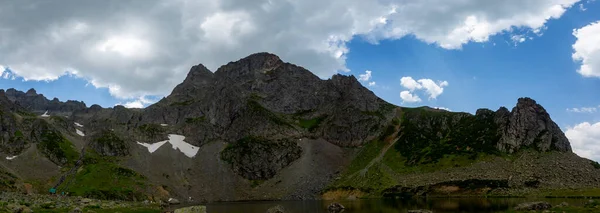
{"points": [[262, 96], [38, 103], [529, 125], [260, 128]]}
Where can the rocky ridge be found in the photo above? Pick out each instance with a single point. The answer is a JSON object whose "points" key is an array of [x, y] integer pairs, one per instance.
{"points": [[312, 134]]}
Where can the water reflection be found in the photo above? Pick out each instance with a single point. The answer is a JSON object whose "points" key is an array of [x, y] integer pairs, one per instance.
{"points": [[442, 205]]}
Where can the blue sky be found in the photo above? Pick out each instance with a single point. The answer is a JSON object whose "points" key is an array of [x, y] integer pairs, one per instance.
{"points": [[468, 54], [484, 75]]}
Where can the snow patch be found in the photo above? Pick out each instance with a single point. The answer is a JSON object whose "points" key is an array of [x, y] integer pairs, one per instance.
{"points": [[177, 142], [11, 158], [45, 114], [164, 124], [78, 124], [80, 133], [152, 147]]}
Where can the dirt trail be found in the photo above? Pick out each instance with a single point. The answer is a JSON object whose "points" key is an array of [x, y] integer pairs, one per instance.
{"points": [[389, 143]]}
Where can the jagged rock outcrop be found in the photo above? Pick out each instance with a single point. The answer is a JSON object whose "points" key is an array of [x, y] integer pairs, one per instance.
{"points": [[529, 125], [259, 158], [38, 103]]}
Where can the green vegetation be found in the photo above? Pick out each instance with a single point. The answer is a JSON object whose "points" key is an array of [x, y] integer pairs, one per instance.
{"points": [[102, 178], [595, 164], [58, 118], [257, 158], [151, 130], [182, 103], [109, 141], [311, 124], [98, 210], [7, 180], [257, 109], [428, 136], [58, 148], [428, 140], [195, 120]]}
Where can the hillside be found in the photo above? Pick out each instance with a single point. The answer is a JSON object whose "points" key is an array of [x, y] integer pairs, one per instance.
{"points": [[259, 128]]}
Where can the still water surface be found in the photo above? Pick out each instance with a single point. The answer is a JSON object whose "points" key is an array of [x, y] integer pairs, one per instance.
{"points": [[438, 205]]}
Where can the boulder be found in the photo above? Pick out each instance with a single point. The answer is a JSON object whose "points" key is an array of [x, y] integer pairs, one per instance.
{"points": [[173, 201], [533, 206], [276, 209], [191, 209], [76, 210], [335, 208]]}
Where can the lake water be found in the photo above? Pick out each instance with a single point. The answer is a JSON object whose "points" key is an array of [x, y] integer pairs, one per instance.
{"points": [[438, 205]]}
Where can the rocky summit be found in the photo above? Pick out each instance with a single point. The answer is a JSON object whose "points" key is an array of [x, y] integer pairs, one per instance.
{"points": [[263, 129]]}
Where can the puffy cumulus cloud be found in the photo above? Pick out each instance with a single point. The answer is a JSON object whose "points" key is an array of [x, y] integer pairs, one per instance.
{"points": [[137, 48], [585, 140], [430, 87], [410, 83], [587, 49], [583, 109], [366, 78], [408, 97]]}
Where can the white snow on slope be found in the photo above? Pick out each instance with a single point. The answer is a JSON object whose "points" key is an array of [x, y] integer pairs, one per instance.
{"points": [[10, 158], [80, 133], [46, 114], [177, 142], [152, 147], [78, 124], [164, 124]]}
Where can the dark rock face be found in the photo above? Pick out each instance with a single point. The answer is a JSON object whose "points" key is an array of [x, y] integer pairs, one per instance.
{"points": [[533, 206], [107, 143], [529, 125], [261, 95], [260, 159], [38, 103], [335, 208]]}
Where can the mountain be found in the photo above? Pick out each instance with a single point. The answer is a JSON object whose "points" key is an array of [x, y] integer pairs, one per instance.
{"points": [[37, 103], [260, 128]]}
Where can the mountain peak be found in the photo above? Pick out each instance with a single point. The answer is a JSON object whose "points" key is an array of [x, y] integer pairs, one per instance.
{"points": [[31, 92], [258, 62]]}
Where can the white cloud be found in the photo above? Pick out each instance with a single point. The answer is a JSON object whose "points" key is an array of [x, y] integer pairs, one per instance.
{"points": [[518, 39], [365, 77], [410, 83], [583, 110], [155, 42], [432, 88], [585, 140], [581, 7], [372, 83], [141, 102], [587, 49], [408, 97], [443, 108]]}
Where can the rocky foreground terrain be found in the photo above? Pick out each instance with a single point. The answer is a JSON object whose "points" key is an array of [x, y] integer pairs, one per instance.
{"points": [[263, 129]]}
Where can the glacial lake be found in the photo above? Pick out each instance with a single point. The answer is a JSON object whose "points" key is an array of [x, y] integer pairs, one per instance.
{"points": [[438, 205]]}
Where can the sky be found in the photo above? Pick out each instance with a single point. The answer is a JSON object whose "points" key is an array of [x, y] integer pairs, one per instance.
{"points": [[459, 55]]}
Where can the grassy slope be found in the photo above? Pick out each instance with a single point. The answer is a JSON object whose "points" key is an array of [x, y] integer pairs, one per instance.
{"points": [[102, 178], [423, 147]]}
